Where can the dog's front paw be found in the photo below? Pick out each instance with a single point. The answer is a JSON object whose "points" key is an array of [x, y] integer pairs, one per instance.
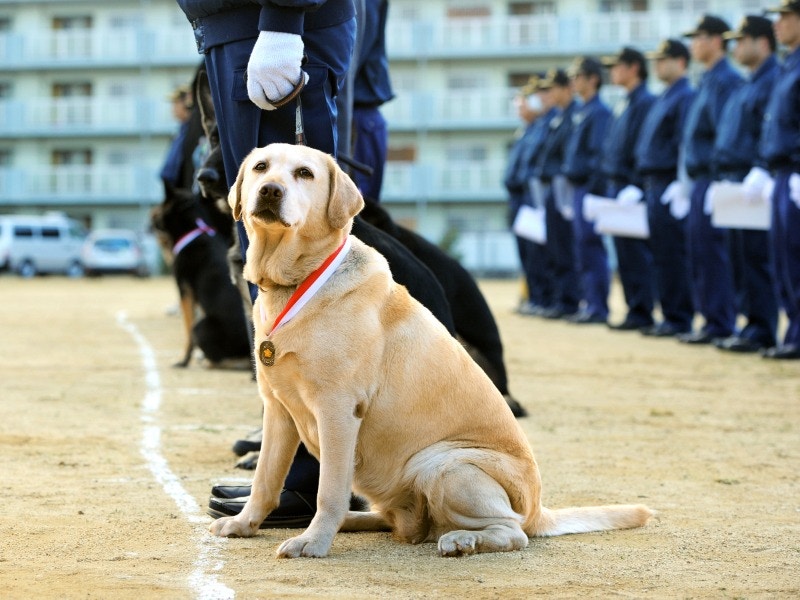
{"points": [[233, 527], [458, 543], [304, 545]]}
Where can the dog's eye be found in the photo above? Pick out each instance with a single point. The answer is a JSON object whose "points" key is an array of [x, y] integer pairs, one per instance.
{"points": [[260, 166], [304, 173]]}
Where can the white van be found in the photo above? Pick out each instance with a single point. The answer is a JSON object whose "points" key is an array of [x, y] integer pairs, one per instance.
{"points": [[31, 244]]}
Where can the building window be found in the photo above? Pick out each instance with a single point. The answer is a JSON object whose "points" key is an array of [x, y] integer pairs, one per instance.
{"points": [[691, 6], [72, 22], [543, 7], [5, 23], [607, 6], [467, 10]]}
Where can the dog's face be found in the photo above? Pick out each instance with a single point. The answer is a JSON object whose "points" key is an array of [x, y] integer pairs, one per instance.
{"points": [[282, 186]]}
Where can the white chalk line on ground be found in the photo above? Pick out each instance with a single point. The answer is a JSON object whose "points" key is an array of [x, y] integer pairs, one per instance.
{"points": [[205, 584]]}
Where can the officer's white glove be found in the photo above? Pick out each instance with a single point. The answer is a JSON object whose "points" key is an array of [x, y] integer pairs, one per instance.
{"points": [[676, 189], [679, 207], [754, 185], [708, 199], [794, 188], [630, 194], [273, 71]]}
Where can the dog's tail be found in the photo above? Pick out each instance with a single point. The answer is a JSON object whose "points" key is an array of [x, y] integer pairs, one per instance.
{"points": [[590, 518]]}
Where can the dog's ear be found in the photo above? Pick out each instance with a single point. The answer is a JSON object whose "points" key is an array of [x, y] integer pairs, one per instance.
{"points": [[235, 194], [345, 201], [202, 94]]}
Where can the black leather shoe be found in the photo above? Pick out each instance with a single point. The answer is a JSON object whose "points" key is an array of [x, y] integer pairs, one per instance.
{"points": [[785, 352], [735, 343], [296, 509], [251, 443], [630, 325], [662, 330], [230, 491], [585, 318], [698, 337]]}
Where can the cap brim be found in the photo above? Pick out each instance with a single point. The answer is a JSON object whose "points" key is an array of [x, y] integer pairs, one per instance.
{"points": [[732, 35], [778, 9]]}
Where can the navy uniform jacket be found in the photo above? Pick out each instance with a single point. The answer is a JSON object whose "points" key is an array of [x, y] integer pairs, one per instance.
{"points": [[533, 145], [584, 147], [218, 22], [780, 134], [372, 86], [619, 159], [736, 146], [514, 178], [704, 116], [661, 133], [551, 157]]}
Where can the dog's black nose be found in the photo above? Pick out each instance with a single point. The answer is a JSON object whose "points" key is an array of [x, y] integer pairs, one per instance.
{"points": [[272, 192]]}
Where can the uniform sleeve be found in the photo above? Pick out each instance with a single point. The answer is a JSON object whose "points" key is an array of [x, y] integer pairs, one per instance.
{"points": [[286, 16]]}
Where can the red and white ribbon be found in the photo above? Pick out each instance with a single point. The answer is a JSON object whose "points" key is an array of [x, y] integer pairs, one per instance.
{"points": [[195, 233], [309, 287]]}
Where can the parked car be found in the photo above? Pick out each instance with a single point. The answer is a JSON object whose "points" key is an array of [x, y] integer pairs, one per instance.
{"points": [[33, 244], [114, 251]]}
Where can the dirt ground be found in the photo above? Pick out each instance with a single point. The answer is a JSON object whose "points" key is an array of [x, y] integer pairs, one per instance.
{"points": [[109, 454]]}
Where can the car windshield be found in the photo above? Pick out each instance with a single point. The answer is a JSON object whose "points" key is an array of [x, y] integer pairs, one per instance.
{"points": [[113, 244]]}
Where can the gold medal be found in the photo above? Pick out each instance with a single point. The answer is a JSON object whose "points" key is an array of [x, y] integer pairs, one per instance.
{"points": [[266, 353]]}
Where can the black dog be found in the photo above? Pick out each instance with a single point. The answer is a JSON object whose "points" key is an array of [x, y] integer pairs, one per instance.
{"points": [[474, 323], [203, 277]]}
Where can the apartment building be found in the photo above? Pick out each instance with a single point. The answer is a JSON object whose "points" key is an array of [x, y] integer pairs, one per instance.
{"points": [[85, 122]]}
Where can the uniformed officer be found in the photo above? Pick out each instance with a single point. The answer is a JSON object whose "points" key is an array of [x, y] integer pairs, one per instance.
{"points": [[709, 259], [531, 111], [582, 169], [736, 159], [667, 196], [634, 259], [547, 171], [780, 148]]}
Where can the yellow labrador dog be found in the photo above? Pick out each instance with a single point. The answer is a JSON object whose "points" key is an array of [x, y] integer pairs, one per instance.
{"points": [[373, 385]]}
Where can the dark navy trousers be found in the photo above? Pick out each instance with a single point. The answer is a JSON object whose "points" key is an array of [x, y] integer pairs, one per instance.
{"points": [[785, 238], [560, 250], [668, 246], [710, 266], [591, 261]]}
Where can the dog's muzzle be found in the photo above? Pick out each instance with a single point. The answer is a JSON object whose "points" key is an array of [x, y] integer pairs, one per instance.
{"points": [[269, 201]]}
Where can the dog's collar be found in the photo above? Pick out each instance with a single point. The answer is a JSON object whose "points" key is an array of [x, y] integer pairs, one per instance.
{"points": [[195, 233], [310, 286]]}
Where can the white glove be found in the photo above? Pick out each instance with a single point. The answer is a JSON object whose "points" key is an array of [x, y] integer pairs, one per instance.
{"points": [[630, 194], [674, 190], [708, 199], [754, 185], [679, 207], [274, 71], [794, 188]]}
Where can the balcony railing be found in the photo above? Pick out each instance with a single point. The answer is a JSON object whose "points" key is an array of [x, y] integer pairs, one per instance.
{"points": [[534, 34], [453, 109], [463, 181], [86, 116], [78, 184], [97, 48]]}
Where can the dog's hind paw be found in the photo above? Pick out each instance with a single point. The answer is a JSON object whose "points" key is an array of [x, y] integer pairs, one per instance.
{"points": [[304, 545], [232, 527], [458, 543]]}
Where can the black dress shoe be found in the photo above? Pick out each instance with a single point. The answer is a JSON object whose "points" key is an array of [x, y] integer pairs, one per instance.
{"points": [[230, 491], [251, 443], [630, 325], [698, 337], [296, 509], [735, 343], [785, 352], [663, 329], [585, 318]]}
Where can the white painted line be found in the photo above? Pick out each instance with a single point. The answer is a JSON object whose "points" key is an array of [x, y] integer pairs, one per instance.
{"points": [[205, 584]]}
